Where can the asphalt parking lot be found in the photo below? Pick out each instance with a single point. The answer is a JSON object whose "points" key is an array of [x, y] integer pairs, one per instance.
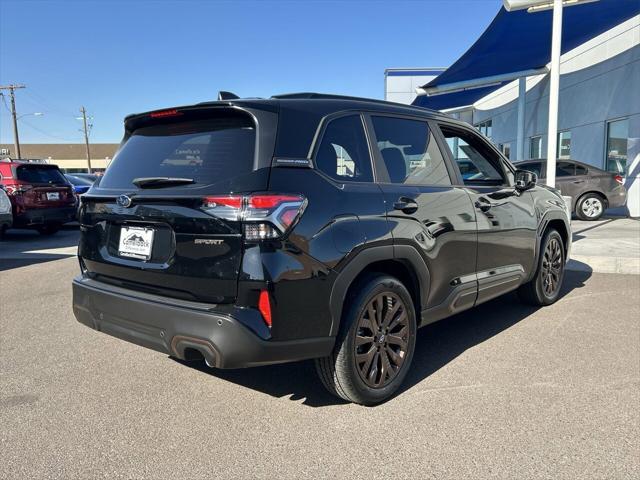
{"points": [[502, 391]]}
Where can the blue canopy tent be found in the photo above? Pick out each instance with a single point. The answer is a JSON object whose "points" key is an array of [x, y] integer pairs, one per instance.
{"points": [[518, 44]]}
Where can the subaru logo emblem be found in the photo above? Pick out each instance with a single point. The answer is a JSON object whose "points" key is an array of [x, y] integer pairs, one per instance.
{"points": [[123, 201]]}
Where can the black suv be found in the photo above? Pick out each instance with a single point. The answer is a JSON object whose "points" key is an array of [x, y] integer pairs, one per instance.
{"points": [[306, 226]]}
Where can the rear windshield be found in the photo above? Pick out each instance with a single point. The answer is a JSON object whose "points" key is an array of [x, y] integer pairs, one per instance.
{"points": [[206, 151], [32, 174]]}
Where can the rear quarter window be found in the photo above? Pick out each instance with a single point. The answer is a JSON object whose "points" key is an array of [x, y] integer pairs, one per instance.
{"points": [[207, 151]]}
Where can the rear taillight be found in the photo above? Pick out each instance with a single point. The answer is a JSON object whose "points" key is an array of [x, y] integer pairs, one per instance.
{"points": [[619, 179], [17, 188], [264, 216]]}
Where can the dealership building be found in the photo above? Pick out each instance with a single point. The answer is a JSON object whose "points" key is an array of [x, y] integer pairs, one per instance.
{"points": [[72, 157], [501, 85]]}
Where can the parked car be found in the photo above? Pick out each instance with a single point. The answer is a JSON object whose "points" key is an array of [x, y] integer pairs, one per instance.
{"points": [[80, 185], [40, 195], [592, 190], [6, 217], [92, 177], [259, 231]]}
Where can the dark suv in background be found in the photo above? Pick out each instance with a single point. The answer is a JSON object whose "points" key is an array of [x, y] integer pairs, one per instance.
{"points": [[592, 190], [308, 226]]}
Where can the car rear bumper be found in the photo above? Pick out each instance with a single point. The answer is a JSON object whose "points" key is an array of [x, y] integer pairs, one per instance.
{"points": [[177, 328], [617, 198], [43, 216]]}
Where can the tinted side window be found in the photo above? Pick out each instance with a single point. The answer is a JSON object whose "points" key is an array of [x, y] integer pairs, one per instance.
{"points": [[580, 170], [477, 162], [410, 152], [343, 153], [565, 169]]}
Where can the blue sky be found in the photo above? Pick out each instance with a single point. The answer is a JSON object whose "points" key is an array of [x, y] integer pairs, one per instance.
{"points": [[120, 57]]}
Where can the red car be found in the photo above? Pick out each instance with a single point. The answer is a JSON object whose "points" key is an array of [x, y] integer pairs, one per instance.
{"points": [[41, 197]]}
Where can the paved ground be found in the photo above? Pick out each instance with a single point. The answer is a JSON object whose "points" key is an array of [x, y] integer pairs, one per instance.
{"points": [[610, 245], [503, 391]]}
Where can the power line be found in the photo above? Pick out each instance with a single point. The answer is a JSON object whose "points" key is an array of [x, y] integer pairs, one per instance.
{"points": [[49, 134]]}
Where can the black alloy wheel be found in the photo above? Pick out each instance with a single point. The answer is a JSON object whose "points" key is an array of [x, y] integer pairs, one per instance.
{"points": [[552, 265], [374, 347], [381, 341], [544, 288]]}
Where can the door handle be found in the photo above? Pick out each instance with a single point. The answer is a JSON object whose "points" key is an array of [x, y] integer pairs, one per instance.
{"points": [[578, 181], [483, 204], [406, 205]]}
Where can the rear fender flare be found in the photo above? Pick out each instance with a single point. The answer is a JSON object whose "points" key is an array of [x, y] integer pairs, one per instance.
{"points": [[361, 261]]}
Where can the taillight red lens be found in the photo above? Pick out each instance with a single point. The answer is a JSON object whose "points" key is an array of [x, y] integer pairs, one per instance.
{"points": [[264, 305], [233, 201], [265, 216], [270, 201], [619, 179]]}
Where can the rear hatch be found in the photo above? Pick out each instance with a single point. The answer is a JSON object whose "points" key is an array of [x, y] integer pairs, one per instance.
{"points": [[144, 225], [43, 186]]}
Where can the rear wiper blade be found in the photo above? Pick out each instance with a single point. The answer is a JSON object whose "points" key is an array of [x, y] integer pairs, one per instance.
{"points": [[148, 182]]}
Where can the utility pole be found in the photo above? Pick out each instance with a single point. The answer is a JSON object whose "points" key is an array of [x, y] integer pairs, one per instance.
{"points": [[86, 136], [14, 115]]}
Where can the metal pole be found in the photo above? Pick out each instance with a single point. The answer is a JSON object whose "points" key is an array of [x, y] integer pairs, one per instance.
{"points": [[86, 137], [522, 94], [554, 92], [14, 115]]}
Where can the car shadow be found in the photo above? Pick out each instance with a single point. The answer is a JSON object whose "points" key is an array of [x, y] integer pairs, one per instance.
{"points": [[20, 248], [437, 345]]}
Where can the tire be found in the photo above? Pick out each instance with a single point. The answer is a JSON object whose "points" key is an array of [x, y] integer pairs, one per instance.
{"points": [[544, 288], [386, 357], [49, 229], [590, 206]]}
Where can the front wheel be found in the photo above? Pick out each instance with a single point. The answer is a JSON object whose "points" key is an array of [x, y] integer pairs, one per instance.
{"points": [[544, 287], [375, 345]]}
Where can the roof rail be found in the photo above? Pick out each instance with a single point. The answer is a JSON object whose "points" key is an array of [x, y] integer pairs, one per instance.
{"points": [[330, 96], [326, 96]]}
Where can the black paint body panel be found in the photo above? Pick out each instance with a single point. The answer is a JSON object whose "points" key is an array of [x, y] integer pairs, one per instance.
{"points": [[456, 255]]}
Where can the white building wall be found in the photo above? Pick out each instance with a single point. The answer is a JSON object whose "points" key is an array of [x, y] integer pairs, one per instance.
{"points": [[600, 81], [400, 84]]}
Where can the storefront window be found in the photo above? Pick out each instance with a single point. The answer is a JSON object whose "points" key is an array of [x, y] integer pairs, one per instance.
{"points": [[535, 147], [505, 148], [485, 128], [564, 144], [617, 137]]}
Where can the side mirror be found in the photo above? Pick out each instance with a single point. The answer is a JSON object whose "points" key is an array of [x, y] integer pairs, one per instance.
{"points": [[525, 180]]}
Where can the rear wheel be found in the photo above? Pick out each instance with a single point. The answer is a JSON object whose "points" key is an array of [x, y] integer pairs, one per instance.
{"points": [[544, 288], [375, 345], [49, 229], [590, 207]]}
